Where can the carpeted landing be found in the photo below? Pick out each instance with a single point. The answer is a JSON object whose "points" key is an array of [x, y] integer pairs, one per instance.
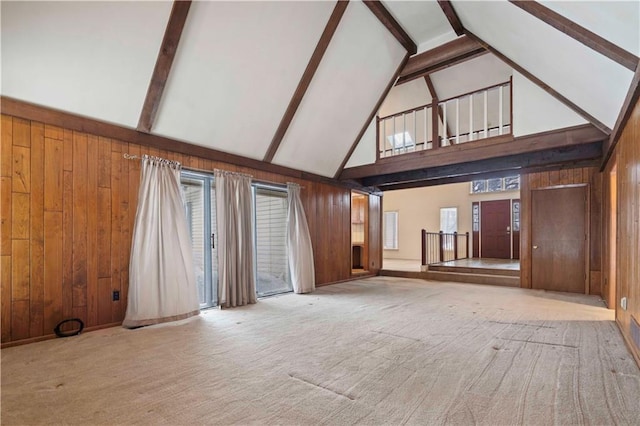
{"points": [[373, 351]]}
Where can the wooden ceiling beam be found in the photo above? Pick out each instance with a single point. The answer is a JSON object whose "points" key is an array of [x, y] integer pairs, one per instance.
{"points": [[373, 113], [394, 27], [489, 175], [451, 53], [579, 33], [549, 157], [630, 101], [307, 76], [452, 16], [167, 53], [584, 114], [478, 150]]}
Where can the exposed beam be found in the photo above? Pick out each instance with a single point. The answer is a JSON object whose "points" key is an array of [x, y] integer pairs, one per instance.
{"points": [[628, 105], [451, 53], [307, 76], [478, 150], [373, 113], [584, 114], [489, 175], [392, 25], [452, 16], [28, 111], [579, 33], [553, 156], [167, 52]]}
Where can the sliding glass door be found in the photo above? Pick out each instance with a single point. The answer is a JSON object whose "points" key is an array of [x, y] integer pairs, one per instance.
{"points": [[199, 193], [270, 224]]}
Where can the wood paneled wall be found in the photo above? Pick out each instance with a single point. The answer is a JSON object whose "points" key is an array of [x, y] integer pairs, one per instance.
{"points": [[585, 175], [68, 206], [626, 157]]}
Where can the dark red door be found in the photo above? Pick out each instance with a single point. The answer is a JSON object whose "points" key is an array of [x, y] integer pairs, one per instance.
{"points": [[495, 229]]}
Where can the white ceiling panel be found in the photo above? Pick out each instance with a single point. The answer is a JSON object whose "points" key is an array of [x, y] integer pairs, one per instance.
{"points": [[422, 20], [478, 73], [405, 96], [356, 68], [365, 152], [236, 68], [90, 58], [595, 83], [616, 21]]}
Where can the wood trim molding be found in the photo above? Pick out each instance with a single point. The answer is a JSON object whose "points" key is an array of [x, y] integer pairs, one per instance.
{"points": [[514, 162], [307, 76], [394, 27], [28, 111], [452, 16], [451, 53], [167, 53], [436, 113], [370, 117], [630, 101], [579, 33], [591, 119], [478, 150]]}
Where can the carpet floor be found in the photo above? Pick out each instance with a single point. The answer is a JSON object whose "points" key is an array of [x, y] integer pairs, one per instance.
{"points": [[374, 351]]}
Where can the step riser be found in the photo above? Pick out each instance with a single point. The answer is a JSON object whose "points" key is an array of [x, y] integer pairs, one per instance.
{"points": [[499, 280], [484, 271]]}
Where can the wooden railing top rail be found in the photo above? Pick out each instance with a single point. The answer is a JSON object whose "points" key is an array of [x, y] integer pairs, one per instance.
{"points": [[430, 104]]}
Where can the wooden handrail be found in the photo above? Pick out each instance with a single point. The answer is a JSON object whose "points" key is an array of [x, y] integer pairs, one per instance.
{"points": [[409, 111], [473, 92]]}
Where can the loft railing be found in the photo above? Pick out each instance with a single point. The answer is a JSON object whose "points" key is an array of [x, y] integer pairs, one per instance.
{"points": [[442, 247], [477, 115]]}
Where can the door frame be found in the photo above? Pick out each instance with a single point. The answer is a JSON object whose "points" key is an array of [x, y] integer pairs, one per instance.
{"points": [[587, 231]]}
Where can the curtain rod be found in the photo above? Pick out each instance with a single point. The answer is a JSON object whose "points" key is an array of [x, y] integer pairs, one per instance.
{"points": [[195, 169], [163, 160]]}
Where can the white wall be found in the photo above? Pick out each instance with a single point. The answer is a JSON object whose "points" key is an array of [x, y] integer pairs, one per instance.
{"points": [[419, 208]]}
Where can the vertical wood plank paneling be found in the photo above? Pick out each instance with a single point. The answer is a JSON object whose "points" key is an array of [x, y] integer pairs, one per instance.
{"points": [[21, 176], [6, 207], [53, 132], [36, 234], [80, 225], [20, 274], [6, 146], [19, 319], [125, 229], [20, 216], [5, 298], [104, 300], [53, 163], [104, 232], [67, 149], [21, 132], [67, 243], [104, 162], [53, 280], [116, 306], [92, 230], [525, 231]]}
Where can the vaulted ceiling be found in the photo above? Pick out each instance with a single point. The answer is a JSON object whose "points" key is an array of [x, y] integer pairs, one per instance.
{"points": [[298, 83]]}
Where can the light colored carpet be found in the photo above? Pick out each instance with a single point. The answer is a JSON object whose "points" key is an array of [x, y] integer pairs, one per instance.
{"points": [[374, 351]]}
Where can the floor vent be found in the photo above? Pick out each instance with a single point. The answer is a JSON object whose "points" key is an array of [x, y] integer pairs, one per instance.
{"points": [[635, 332]]}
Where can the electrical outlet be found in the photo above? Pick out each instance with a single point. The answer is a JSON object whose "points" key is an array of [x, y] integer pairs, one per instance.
{"points": [[623, 303], [116, 295]]}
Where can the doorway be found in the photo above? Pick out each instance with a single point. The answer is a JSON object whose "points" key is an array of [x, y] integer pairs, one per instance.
{"points": [[559, 239], [359, 232], [495, 229]]}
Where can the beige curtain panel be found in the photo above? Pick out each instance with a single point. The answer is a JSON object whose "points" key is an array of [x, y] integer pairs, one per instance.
{"points": [[234, 212], [162, 285], [299, 244]]}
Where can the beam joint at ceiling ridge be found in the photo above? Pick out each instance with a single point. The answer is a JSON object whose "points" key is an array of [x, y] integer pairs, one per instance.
{"points": [[579, 33], [167, 53], [368, 122], [584, 114], [305, 80], [394, 27], [452, 16], [454, 52]]}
